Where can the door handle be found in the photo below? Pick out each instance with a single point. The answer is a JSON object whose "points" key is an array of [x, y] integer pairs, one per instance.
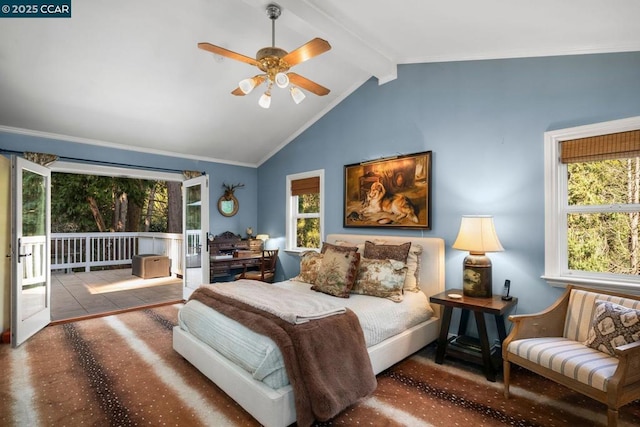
{"points": [[19, 254]]}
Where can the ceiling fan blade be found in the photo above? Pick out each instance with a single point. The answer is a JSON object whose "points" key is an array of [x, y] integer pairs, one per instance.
{"points": [[305, 83], [307, 51], [226, 52], [257, 81]]}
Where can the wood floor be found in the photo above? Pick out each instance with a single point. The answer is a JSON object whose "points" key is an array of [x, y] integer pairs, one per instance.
{"points": [[92, 293]]}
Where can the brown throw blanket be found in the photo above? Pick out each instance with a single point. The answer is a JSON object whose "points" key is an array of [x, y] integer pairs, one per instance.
{"points": [[326, 359]]}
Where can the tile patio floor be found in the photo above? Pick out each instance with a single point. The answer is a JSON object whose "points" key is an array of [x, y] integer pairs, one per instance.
{"points": [[95, 292]]}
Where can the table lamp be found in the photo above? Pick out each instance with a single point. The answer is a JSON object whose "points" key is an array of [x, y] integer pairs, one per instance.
{"points": [[478, 236], [264, 238]]}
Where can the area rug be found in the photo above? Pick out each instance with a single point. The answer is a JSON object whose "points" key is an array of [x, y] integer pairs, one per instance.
{"points": [[121, 370]]}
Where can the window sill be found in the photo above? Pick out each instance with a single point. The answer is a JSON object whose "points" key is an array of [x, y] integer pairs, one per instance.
{"points": [[598, 284]]}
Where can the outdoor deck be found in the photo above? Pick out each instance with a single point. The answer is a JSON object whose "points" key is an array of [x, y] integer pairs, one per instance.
{"points": [[91, 293]]}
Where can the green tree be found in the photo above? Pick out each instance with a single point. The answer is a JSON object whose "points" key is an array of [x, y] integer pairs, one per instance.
{"points": [[33, 206], [87, 203], [308, 229], [155, 209], [604, 241]]}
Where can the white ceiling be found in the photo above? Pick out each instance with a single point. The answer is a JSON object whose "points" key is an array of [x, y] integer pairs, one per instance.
{"points": [[128, 73]]}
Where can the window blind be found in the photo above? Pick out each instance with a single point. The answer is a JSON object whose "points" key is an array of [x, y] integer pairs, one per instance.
{"points": [[619, 145], [305, 186]]}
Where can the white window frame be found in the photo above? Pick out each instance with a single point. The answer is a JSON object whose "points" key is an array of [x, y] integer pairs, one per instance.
{"points": [[292, 210], [556, 271]]}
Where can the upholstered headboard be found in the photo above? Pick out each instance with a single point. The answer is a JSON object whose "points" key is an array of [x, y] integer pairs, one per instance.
{"points": [[431, 260]]}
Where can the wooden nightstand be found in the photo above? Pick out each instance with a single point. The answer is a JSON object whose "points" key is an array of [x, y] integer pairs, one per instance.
{"points": [[469, 348]]}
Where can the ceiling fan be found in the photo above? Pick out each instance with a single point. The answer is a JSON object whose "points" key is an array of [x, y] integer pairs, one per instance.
{"points": [[275, 64]]}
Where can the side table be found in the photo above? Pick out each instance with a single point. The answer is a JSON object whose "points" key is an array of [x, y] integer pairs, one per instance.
{"points": [[465, 347]]}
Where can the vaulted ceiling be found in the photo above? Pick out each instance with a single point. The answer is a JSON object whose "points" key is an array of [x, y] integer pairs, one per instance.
{"points": [[129, 73]]}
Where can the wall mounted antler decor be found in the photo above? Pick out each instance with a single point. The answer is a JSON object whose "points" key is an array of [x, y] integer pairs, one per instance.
{"points": [[227, 203]]}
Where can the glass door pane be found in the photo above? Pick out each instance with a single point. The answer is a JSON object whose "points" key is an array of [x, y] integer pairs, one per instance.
{"points": [[31, 309], [196, 227]]}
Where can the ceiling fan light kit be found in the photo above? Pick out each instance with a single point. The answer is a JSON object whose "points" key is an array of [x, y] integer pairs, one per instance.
{"points": [[246, 86], [297, 95], [282, 80], [275, 63], [265, 100]]}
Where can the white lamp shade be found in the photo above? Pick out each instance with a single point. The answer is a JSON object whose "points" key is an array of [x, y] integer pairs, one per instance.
{"points": [[246, 85], [477, 235], [263, 237], [282, 80], [297, 95], [265, 100]]}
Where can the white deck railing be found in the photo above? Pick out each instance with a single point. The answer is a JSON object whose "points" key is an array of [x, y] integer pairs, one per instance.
{"points": [[86, 250], [33, 253]]}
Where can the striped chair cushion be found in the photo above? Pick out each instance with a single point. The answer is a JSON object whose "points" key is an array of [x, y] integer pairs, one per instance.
{"points": [[569, 358], [580, 312]]}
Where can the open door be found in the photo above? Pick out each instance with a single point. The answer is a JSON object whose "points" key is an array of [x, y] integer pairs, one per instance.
{"points": [[195, 195], [30, 249]]}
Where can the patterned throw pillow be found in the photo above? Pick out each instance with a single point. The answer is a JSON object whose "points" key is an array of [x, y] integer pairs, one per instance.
{"points": [[337, 273], [359, 246], [396, 252], [408, 253], [613, 325], [338, 247], [380, 278], [310, 262]]}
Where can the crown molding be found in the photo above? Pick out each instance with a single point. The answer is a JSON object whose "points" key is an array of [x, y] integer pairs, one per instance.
{"points": [[98, 143]]}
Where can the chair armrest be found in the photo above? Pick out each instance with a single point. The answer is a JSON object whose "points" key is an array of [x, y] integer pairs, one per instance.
{"points": [[628, 371], [628, 350], [547, 323]]}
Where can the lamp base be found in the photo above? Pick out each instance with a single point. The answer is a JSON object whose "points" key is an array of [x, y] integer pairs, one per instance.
{"points": [[476, 276]]}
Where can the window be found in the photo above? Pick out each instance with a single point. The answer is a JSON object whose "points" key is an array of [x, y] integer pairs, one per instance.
{"points": [[592, 205], [305, 210]]}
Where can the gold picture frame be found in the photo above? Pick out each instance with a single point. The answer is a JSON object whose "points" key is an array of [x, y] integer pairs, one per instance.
{"points": [[393, 192]]}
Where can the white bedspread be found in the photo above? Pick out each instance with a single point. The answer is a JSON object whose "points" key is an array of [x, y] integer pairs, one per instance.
{"points": [[291, 305], [379, 318]]}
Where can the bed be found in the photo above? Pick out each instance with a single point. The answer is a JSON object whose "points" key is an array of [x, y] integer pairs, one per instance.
{"points": [[275, 407]]}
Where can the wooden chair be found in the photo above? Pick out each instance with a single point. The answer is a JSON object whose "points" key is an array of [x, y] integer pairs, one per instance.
{"points": [[551, 344], [267, 272]]}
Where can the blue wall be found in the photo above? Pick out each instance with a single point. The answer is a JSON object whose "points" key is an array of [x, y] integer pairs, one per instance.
{"points": [[484, 122], [218, 173]]}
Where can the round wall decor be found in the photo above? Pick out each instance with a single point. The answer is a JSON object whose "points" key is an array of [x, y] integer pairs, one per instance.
{"points": [[228, 205]]}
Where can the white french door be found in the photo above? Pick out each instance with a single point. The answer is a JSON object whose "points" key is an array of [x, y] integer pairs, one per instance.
{"points": [[195, 197], [30, 249]]}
